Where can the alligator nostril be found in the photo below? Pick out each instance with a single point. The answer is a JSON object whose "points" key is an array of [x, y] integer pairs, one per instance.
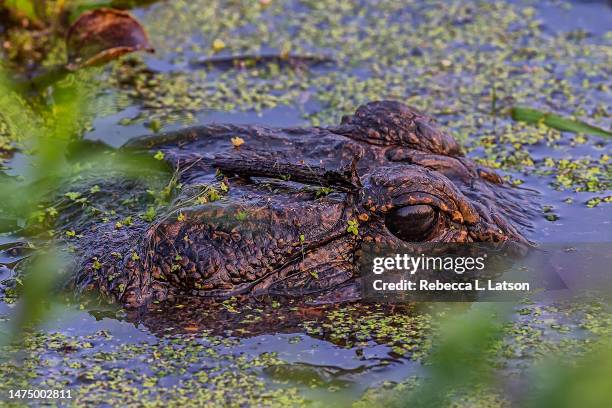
{"points": [[411, 223]]}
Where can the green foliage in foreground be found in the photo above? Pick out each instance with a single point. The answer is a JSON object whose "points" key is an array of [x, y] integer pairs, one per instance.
{"points": [[49, 129], [469, 367], [47, 132]]}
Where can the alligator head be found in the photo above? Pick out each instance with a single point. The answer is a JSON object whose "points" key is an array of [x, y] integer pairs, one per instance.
{"points": [[299, 204]]}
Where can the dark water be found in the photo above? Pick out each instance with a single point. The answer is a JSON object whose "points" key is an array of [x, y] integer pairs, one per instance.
{"points": [[109, 131]]}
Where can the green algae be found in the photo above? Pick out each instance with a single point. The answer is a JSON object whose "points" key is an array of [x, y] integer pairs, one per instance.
{"points": [[465, 63], [409, 334], [391, 394], [579, 174], [199, 368], [132, 374]]}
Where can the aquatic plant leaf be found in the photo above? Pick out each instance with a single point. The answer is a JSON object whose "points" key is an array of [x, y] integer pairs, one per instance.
{"points": [[530, 115], [101, 35], [80, 6]]}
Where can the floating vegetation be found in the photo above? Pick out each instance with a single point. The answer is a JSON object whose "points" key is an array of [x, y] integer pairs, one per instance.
{"points": [[408, 333], [465, 63], [580, 174], [100, 369], [198, 368]]}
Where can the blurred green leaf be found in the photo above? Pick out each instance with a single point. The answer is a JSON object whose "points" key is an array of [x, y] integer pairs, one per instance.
{"points": [[8, 224], [570, 384], [25, 7], [51, 129], [45, 128], [38, 288], [534, 116], [17, 113], [466, 339]]}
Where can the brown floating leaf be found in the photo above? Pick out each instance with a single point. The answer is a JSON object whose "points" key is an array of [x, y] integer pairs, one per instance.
{"points": [[250, 61], [101, 35]]}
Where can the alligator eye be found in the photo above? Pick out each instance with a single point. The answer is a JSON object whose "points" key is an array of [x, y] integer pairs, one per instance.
{"points": [[412, 223]]}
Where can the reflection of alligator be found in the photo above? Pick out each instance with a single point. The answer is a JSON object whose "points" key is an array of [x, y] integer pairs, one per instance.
{"points": [[247, 317], [300, 203]]}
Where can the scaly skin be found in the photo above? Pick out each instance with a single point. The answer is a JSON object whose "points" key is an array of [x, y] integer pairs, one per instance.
{"points": [[393, 175]]}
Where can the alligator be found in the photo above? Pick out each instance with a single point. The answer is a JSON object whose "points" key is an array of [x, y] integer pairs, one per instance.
{"points": [[293, 206]]}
